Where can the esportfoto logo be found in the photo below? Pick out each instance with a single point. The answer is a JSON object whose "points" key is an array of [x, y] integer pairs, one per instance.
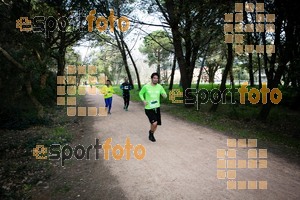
{"points": [[42, 24], [228, 165], [234, 27], [216, 96], [66, 152]]}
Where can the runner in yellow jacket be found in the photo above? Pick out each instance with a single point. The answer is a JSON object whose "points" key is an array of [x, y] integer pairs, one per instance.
{"points": [[108, 92]]}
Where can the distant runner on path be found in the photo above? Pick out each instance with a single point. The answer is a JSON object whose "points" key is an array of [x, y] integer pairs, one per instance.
{"points": [[126, 87], [108, 92], [150, 95]]}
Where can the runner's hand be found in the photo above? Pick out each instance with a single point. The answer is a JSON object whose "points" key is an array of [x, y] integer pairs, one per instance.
{"points": [[164, 96], [145, 103]]}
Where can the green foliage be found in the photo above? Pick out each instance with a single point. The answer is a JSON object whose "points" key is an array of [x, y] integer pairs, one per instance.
{"points": [[108, 61], [58, 135], [157, 46], [37, 55]]}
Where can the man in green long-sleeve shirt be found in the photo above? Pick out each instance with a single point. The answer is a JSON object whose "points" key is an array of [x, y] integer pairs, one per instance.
{"points": [[150, 95]]}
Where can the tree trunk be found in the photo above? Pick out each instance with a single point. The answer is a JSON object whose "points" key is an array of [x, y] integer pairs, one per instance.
{"points": [[36, 103], [249, 41], [43, 79], [269, 78], [121, 47], [259, 70], [211, 75], [250, 69], [187, 55], [173, 73], [119, 73], [134, 65], [158, 65], [202, 66], [60, 66], [61, 55], [228, 67], [27, 83], [166, 77], [273, 81], [184, 70], [231, 77], [199, 76]]}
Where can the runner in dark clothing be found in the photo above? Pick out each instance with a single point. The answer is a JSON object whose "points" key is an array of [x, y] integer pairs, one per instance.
{"points": [[126, 87]]}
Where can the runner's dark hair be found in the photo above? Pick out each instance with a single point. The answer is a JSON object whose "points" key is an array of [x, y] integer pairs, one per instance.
{"points": [[154, 74]]}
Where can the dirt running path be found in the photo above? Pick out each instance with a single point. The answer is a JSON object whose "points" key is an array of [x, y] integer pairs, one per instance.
{"points": [[182, 164]]}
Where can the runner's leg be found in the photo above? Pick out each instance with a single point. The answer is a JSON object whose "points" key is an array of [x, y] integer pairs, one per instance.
{"points": [[106, 102], [127, 102], [109, 104], [128, 99], [153, 123], [153, 127], [124, 98], [152, 130]]}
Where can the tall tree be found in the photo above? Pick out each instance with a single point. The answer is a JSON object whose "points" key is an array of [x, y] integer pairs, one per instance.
{"points": [[285, 46], [189, 22], [105, 8], [157, 47]]}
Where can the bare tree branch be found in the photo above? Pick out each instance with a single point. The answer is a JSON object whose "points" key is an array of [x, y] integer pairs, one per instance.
{"points": [[12, 60]]}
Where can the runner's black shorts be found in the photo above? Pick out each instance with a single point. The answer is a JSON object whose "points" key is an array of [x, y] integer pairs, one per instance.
{"points": [[153, 115]]}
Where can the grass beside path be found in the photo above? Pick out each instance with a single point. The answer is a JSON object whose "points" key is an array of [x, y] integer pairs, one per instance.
{"points": [[238, 120], [21, 173]]}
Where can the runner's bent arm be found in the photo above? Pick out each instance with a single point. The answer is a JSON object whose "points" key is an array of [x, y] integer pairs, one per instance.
{"points": [[104, 90], [112, 90], [141, 94], [163, 92]]}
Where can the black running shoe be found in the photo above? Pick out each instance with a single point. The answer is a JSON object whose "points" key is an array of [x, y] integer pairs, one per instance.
{"points": [[151, 136]]}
